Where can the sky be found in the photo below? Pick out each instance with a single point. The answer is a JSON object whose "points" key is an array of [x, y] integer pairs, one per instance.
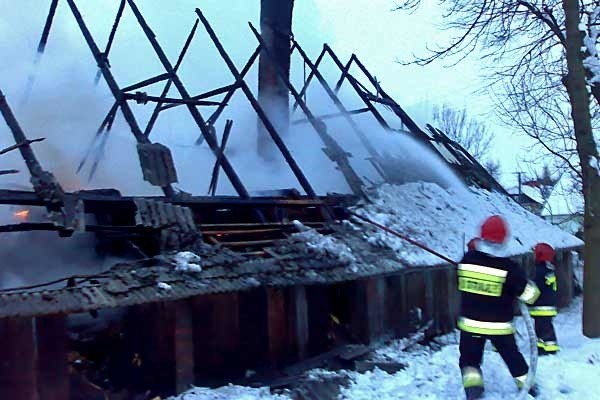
{"points": [[368, 28]]}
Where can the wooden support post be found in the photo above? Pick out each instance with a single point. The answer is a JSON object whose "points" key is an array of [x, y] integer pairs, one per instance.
{"points": [[52, 368], [184, 346], [217, 334], [276, 324], [397, 308], [431, 310], [299, 320], [453, 296], [368, 309], [564, 278], [17, 360]]}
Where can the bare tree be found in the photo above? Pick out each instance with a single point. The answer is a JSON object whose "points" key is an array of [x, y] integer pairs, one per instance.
{"points": [[544, 79], [458, 126]]}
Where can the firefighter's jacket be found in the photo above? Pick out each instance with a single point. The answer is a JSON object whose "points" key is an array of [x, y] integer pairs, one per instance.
{"points": [[489, 285], [545, 279]]}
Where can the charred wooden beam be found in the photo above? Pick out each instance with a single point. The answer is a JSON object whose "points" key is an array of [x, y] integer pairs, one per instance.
{"points": [[206, 95], [213, 118], [44, 183], [146, 82], [331, 116], [112, 83], [355, 86], [334, 150], [308, 80], [143, 98], [211, 141], [159, 107], [18, 145], [9, 171], [111, 37], [276, 325], [214, 181], [258, 109], [46, 32], [184, 345]]}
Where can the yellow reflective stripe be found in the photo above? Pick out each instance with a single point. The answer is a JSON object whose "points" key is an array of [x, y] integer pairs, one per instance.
{"points": [[482, 276], [471, 377], [543, 311], [551, 281], [484, 327], [483, 269], [548, 346], [478, 286], [530, 293]]}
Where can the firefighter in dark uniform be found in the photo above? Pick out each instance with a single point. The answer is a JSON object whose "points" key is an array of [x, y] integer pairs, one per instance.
{"points": [[544, 309], [489, 285]]}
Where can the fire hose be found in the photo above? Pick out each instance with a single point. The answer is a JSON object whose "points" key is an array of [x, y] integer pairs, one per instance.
{"points": [[533, 354]]}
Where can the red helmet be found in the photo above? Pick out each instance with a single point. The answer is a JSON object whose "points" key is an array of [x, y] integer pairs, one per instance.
{"points": [[543, 252], [494, 229]]}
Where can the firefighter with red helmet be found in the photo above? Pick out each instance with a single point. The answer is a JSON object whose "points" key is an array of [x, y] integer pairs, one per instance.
{"points": [[489, 285], [544, 309]]}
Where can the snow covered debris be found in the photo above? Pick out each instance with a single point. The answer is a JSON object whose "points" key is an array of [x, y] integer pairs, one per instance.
{"points": [[324, 244], [446, 219], [187, 261], [230, 392], [164, 286], [591, 62], [434, 375]]}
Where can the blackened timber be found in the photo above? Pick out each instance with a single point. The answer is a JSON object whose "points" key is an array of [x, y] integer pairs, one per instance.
{"points": [[210, 140], [310, 76], [345, 71], [213, 118], [339, 105], [18, 378], [110, 116], [258, 109], [356, 87], [112, 84], [206, 95], [46, 32], [16, 146], [159, 107], [404, 117], [212, 188], [331, 116], [146, 82], [142, 98], [52, 363], [334, 151], [44, 183], [111, 36]]}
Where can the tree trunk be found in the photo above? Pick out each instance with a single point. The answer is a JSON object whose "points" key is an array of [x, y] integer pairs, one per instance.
{"points": [[588, 155]]}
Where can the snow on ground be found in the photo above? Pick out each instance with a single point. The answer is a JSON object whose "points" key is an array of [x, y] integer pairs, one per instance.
{"points": [[433, 375], [445, 219], [230, 392]]}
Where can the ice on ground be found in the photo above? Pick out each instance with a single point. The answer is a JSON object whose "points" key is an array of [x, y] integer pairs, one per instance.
{"points": [[231, 392], [446, 219], [434, 375], [187, 261]]}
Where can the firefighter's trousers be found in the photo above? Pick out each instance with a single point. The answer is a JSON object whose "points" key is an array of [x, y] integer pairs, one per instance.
{"points": [[471, 355], [544, 331]]}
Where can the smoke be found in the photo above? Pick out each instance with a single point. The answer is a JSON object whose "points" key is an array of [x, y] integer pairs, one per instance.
{"points": [[66, 107]]}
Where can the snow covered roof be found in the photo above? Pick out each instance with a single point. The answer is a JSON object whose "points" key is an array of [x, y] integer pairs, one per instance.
{"points": [[445, 219]]}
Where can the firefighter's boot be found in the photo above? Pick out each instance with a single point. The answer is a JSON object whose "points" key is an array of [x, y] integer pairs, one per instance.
{"points": [[472, 382]]}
